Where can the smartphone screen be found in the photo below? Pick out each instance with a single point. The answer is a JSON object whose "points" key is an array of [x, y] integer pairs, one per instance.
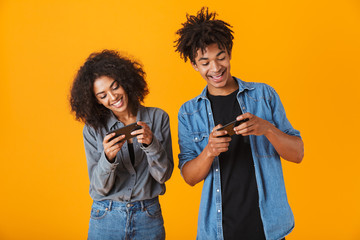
{"points": [[126, 130], [230, 127]]}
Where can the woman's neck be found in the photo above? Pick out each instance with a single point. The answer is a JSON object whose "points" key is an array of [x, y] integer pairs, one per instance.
{"points": [[126, 118]]}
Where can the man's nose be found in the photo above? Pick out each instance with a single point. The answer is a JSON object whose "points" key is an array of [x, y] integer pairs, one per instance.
{"points": [[215, 67]]}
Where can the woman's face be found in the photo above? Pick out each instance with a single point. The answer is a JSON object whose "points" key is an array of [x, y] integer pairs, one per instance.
{"points": [[109, 93]]}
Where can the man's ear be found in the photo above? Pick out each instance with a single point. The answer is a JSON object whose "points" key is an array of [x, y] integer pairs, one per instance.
{"points": [[193, 64]]}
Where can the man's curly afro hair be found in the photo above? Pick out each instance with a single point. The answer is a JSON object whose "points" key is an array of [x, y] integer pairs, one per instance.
{"points": [[200, 31]]}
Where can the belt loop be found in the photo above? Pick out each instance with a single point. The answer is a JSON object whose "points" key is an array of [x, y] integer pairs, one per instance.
{"points": [[142, 206], [110, 204]]}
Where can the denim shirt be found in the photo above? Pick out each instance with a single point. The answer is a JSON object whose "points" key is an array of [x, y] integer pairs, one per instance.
{"points": [[195, 124], [121, 180]]}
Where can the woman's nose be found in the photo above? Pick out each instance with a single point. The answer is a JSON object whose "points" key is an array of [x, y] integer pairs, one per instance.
{"points": [[112, 95]]}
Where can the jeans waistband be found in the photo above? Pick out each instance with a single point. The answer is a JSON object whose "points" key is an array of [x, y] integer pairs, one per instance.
{"points": [[142, 204]]}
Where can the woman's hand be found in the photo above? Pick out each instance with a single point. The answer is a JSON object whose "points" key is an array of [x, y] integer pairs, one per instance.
{"points": [[111, 148], [144, 135]]}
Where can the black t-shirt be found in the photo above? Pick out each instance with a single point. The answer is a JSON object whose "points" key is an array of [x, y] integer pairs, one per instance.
{"points": [[241, 214], [131, 153]]}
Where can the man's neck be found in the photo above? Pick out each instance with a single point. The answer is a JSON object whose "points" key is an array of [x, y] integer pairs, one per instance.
{"points": [[223, 91]]}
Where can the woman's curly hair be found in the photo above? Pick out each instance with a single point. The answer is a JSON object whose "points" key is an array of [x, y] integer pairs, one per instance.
{"points": [[128, 73], [200, 31]]}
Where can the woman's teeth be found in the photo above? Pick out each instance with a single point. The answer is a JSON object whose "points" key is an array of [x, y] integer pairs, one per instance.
{"points": [[118, 103]]}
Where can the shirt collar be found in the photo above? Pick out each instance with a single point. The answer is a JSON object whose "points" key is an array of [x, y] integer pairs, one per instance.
{"points": [[112, 121], [141, 116], [242, 87]]}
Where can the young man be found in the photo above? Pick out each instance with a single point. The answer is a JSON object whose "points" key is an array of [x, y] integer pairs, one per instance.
{"points": [[243, 193]]}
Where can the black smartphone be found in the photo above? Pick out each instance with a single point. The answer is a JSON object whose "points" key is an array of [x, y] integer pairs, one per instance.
{"points": [[230, 127], [126, 130]]}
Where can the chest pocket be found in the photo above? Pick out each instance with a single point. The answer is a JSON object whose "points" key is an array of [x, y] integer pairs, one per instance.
{"points": [[263, 147], [199, 137]]}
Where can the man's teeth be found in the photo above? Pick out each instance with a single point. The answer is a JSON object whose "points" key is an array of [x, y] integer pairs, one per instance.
{"points": [[217, 77]]}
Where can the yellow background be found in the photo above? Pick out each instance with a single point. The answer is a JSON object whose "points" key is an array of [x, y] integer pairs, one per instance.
{"points": [[307, 50]]}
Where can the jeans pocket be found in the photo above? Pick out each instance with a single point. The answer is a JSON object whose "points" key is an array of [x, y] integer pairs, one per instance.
{"points": [[98, 211], [153, 210]]}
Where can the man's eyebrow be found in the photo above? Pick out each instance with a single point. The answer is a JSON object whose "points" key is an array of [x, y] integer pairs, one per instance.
{"points": [[221, 52]]}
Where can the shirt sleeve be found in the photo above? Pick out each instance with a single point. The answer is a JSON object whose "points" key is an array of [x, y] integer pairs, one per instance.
{"points": [[159, 152], [279, 115], [101, 171], [186, 145]]}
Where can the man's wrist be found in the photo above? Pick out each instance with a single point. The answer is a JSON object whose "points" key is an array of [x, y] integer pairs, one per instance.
{"points": [[208, 152], [270, 130]]}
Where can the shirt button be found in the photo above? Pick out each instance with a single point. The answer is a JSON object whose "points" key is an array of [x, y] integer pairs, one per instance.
{"points": [[209, 113], [218, 190], [106, 209], [216, 169], [128, 205], [218, 210], [196, 139], [244, 108]]}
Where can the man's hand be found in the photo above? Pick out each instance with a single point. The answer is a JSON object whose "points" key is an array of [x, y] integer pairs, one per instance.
{"points": [[255, 126], [217, 142], [289, 147]]}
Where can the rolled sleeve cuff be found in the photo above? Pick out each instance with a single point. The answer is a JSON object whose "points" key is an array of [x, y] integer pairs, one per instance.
{"points": [[107, 166], [153, 148]]}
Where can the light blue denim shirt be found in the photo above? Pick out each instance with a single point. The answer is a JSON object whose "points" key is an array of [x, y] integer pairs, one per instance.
{"points": [[195, 124]]}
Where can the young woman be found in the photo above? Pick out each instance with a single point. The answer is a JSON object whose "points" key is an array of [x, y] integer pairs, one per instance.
{"points": [[126, 177]]}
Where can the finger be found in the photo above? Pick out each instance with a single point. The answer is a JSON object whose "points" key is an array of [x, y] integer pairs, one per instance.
{"points": [[116, 147], [220, 150], [220, 145], [216, 127], [142, 124], [137, 132], [220, 140], [107, 137], [220, 133], [251, 122], [116, 140], [244, 116], [111, 152], [246, 131]]}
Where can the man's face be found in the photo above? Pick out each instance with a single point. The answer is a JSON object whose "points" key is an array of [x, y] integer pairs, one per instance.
{"points": [[214, 66]]}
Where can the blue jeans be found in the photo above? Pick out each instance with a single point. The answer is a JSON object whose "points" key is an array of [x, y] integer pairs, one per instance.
{"points": [[140, 220]]}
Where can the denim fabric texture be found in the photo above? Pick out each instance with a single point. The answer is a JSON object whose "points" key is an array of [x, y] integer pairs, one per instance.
{"points": [[195, 124], [113, 220], [122, 180]]}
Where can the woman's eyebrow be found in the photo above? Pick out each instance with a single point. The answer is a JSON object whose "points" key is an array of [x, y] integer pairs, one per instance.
{"points": [[111, 85]]}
